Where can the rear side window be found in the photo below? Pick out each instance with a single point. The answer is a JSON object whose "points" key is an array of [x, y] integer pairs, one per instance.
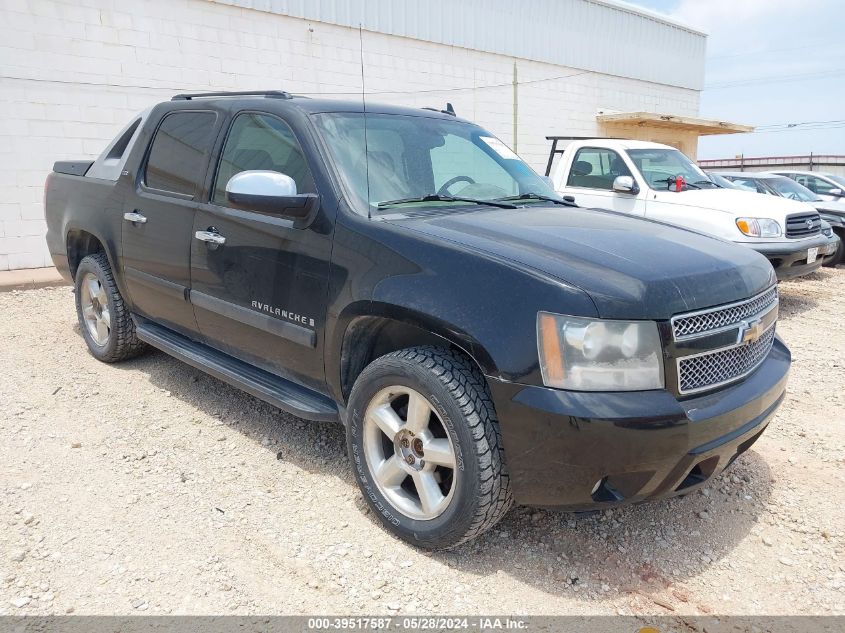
{"points": [[178, 154]]}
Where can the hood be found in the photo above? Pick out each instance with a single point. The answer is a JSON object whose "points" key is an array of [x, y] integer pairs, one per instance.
{"points": [[630, 267], [736, 202], [833, 207]]}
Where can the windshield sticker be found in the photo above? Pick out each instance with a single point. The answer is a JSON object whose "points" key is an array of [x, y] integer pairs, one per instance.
{"points": [[500, 148]]}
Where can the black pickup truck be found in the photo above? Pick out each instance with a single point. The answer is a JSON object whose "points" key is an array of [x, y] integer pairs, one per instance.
{"points": [[401, 271]]}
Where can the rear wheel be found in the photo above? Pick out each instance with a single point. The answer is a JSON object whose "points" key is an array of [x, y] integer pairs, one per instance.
{"points": [[104, 320], [425, 447]]}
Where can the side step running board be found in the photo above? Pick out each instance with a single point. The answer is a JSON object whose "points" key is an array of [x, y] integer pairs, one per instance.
{"points": [[277, 391]]}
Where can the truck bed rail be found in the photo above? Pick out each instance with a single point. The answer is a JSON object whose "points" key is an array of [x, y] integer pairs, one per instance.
{"points": [[72, 167]]}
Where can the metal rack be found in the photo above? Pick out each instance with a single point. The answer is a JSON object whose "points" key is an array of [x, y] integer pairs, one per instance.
{"points": [[270, 94]]}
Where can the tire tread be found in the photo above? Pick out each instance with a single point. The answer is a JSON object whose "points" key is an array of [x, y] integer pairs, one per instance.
{"points": [[127, 344], [467, 386]]}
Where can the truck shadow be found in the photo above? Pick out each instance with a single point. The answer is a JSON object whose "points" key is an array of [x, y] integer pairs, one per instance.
{"points": [[801, 294], [644, 550]]}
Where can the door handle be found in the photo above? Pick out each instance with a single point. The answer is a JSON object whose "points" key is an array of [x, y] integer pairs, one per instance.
{"points": [[212, 237], [135, 217]]}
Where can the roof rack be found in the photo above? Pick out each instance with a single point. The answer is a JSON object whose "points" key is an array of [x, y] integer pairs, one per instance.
{"points": [[270, 94], [584, 138]]}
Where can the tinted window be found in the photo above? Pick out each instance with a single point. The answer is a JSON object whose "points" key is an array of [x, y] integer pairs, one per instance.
{"points": [[262, 142], [178, 155], [596, 168]]}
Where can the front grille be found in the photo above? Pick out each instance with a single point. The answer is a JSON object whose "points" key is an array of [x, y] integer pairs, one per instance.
{"points": [[705, 371], [803, 225], [687, 325]]}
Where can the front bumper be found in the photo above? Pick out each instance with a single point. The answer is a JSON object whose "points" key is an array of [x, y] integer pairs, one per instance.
{"points": [[789, 259], [827, 252], [583, 451]]}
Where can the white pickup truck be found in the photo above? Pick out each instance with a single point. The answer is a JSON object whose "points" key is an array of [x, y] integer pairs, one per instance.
{"points": [[659, 182]]}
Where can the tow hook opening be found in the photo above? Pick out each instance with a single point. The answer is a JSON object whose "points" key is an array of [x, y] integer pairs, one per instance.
{"points": [[699, 473], [604, 492]]}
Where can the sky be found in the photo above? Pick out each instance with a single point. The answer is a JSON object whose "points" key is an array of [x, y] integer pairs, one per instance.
{"points": [[770, 63]]}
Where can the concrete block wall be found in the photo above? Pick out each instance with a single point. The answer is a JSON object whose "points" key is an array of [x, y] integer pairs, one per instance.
{"points": [[73, 72]]}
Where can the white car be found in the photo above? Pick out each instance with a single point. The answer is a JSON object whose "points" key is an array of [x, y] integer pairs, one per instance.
{"points": [[826, 186], [658, 182]]}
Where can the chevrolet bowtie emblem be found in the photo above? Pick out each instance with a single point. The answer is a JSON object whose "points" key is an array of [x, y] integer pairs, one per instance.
{"points": [[751, 331]]}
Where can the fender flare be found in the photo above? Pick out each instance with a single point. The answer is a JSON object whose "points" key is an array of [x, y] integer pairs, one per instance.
{"points": [[446, 332]]}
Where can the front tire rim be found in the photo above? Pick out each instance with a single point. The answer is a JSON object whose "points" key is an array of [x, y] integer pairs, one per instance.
{"points": [[409, 453], [95, 309]]}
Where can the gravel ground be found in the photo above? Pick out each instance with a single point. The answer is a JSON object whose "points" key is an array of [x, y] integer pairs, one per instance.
{"points": [[148, 487]]}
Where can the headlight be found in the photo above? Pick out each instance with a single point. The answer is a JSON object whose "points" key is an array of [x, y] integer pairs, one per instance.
{"points": [[758, 227], [595, 355]]}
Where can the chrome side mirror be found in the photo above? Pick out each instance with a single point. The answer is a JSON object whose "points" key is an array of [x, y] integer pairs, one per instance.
{"points": [[625, 184], [269, 192]]}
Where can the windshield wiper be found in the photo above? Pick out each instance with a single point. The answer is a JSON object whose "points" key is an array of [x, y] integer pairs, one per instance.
{"points": [[436, 197], [538, 196], [669, 181], [706, 182]]}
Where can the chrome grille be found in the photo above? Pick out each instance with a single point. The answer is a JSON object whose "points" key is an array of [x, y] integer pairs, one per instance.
{"points": [[711, 369], [695, 323], [803, 225]]}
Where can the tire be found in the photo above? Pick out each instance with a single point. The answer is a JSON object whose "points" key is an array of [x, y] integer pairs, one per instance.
{"points": [[839, 255], [104, 320], [461, 428]]}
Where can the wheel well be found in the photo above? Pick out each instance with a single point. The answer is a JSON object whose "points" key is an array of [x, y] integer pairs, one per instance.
{"points": [[80, 244], [368, 338]]}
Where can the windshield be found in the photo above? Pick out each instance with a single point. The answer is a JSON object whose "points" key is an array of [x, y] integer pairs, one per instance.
{"points": [[721, 181], [413, 157], [660, 167], [837, 179], [788, 188]]}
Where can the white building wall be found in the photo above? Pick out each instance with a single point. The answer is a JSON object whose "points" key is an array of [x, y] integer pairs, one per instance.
{"points": [[73, 72], [587, 34]]}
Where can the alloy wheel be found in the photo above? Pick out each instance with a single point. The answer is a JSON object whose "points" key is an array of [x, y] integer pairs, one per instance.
{"points": [[409, 453], [95, 308]]}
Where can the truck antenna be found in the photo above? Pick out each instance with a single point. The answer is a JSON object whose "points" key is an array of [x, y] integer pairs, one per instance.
{"points": [[364, 102]]}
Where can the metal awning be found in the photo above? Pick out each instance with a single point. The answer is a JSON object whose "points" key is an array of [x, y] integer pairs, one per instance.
{"points": [[702, 127]]}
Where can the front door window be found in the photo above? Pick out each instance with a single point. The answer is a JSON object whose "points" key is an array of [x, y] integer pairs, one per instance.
{"points": [[596, 168], [261, 142]]}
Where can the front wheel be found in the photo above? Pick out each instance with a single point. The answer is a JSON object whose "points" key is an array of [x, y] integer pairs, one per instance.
{"points": [[425, 447]]}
